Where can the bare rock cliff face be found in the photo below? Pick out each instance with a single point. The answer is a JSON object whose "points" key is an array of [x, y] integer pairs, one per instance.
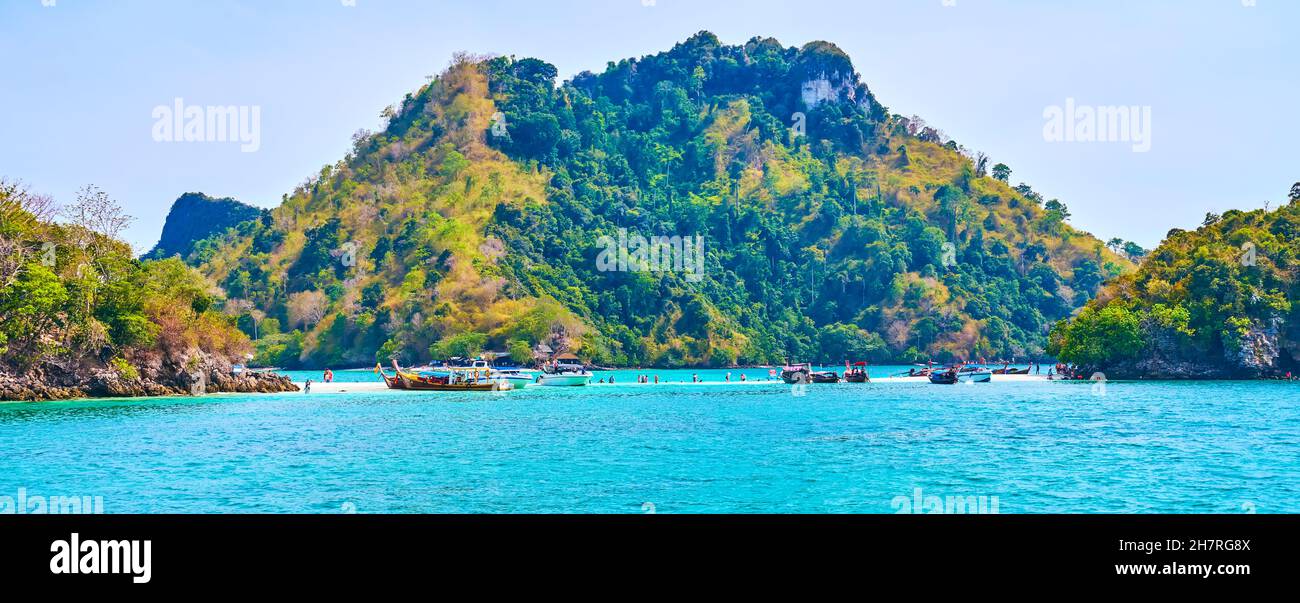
{"points": [[828, 76], [831, 88], [1259, 349], [1260, 355]]}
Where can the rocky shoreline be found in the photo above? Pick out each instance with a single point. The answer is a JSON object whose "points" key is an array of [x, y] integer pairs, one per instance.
{"points": [[1263, 353], [200, 375]]}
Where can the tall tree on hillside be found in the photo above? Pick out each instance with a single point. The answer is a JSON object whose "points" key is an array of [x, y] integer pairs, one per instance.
{"points": [[306, 308], [1295, 192], [15, 199], [95, 211], [1054, 205], [1029, 193], [1001, 172]]}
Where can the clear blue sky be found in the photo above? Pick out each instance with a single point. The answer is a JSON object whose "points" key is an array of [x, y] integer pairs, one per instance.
{"points": [[81, 78]]}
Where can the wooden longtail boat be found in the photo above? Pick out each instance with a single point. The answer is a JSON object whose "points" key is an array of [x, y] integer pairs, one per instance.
{"points": [[826, 377], [1007, 370], [925, 371], [445, 380], [393, 382], [797, 373], [857, 374]]}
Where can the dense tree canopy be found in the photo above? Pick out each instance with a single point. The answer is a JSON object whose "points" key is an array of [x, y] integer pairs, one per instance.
{"points": [[72, 295], [832, 229], [1213, 302]]}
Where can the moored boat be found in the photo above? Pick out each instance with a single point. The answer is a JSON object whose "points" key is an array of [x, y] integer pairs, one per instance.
{"points": [[445, 380], [825, 377], [564, 375], [925, 371], [796, 373], [943, 377], [393, 382], [1007, 370], [961, 374], [977, 376], [517, 377], [562, 380], [857, 374]]}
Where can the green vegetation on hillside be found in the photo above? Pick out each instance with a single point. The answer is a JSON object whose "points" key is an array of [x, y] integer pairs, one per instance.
{"points": [[833, 228], [1215, 302], [194, 217], [72, 297]]}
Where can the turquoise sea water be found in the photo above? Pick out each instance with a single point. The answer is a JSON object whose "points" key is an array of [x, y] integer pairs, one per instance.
{"points": [[1215, 447]]}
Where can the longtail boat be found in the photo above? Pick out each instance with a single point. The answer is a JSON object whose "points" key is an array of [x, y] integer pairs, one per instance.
{"points": [[1007, 370], [857, 374], [445, 380], [825, 377], [797, 373], [393, 382]]}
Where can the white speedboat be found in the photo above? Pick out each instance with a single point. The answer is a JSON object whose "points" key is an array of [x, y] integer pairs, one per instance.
{"points": [[976, 376], [518, 377], [961, 374], [564, 375], [563, 380]]}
